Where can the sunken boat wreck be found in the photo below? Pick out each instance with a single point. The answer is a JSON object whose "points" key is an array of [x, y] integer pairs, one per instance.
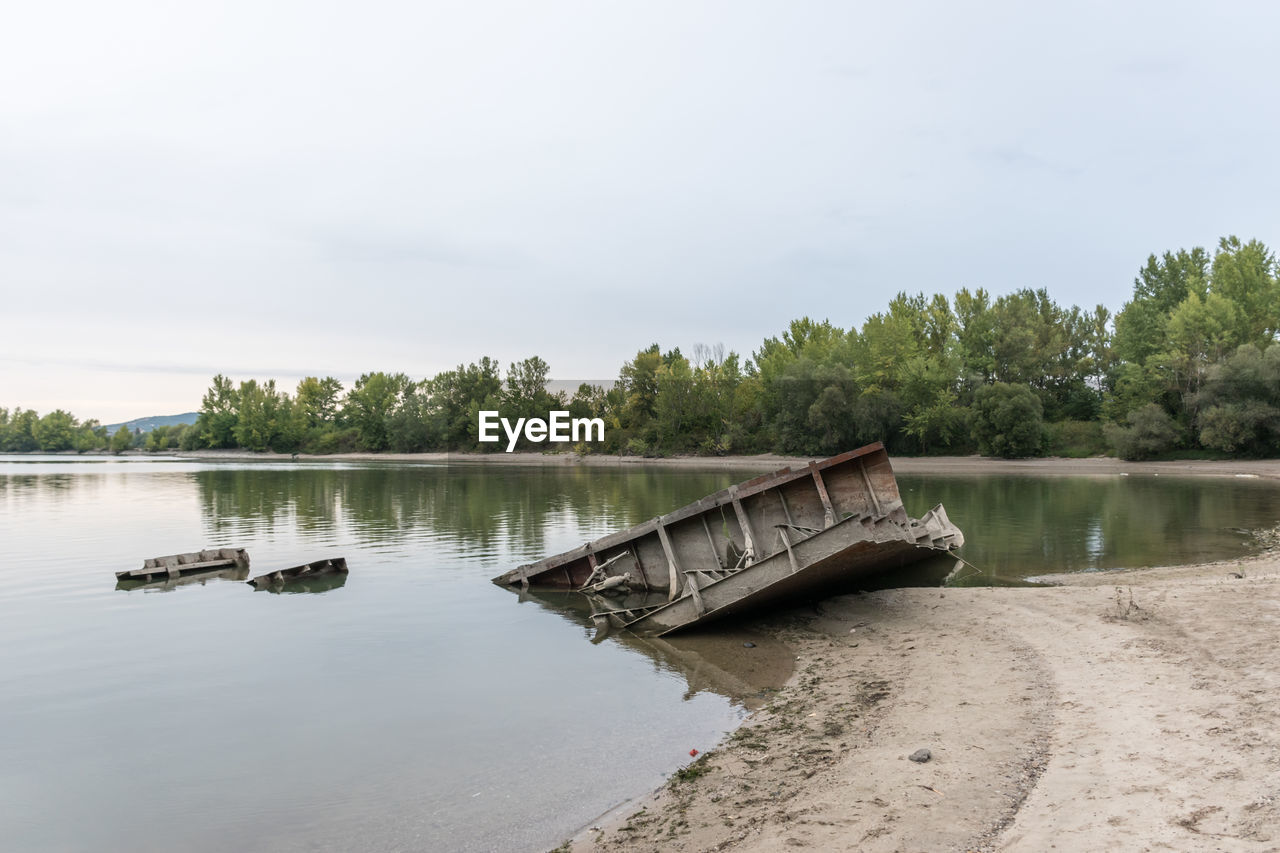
{"points": [[811, 530], [206, 563]]}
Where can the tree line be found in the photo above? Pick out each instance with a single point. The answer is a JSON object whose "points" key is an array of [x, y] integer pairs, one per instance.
{"points": [[1190, 365]]}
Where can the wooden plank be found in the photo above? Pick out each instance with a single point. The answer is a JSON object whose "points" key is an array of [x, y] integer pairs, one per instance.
{"points": [[673, 567], [698, 606], [711, 540], [752, 553], [635, 557], [822, 494], [791, 555], [786, 510], [180, 567], [875, 501]]}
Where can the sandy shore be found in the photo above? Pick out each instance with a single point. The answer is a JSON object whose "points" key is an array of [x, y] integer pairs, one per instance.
{"points": [[1123, 711], [1093, 466]]}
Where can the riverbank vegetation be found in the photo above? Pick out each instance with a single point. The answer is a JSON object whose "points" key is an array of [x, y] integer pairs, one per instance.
{"points": [[1190, 365]]}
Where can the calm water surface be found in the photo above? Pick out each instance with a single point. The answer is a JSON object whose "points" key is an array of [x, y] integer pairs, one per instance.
{"points": [[416, 706]]}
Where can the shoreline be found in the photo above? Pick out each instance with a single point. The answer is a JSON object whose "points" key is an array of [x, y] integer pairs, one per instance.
{"points": [[1137, 709], [916, 465]]}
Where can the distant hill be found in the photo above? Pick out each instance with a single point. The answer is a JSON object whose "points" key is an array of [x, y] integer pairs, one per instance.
{"points": [[150, 423]]}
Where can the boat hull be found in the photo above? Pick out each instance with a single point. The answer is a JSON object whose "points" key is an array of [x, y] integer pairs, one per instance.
{"points": [[793, 532]]}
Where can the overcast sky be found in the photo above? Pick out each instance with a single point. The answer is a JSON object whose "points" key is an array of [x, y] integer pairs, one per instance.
{"points": [[279, 189]]}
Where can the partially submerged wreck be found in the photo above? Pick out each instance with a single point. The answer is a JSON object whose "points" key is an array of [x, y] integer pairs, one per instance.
{"points": [[173, 566], [232, 564], [779, 536], [335, 567]]}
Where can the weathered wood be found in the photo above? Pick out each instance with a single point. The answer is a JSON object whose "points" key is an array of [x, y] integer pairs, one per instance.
{"points": [[673, 566], [176, 565], [871, 490], [826, 550], [786, 543], [834, 556], [821, 486], [334, 565], [698, 607], [712, 502], [715, 551], [857, 482], [752, 552]]}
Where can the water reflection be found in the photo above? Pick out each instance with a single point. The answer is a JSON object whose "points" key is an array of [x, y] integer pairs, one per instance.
{"points": [[732, 661], [170, 584], [481, 508], [318, 584], [1019, 526]]}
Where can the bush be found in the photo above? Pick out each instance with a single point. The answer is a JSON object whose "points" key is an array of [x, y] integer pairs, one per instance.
{"points": [[340, 441], [1251, 427], [1150, 431], [1008, 421], [1075, 439]]}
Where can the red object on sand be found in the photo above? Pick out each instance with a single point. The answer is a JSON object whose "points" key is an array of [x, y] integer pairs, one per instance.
{"points": [[693, 752]]}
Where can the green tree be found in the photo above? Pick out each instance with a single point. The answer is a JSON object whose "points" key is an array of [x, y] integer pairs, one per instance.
{"points": [[218, 414], [1007, 421], [371, 403], [56, 431], [157, 440], [1238, 408], [122, 440], [1245, 275], [263, 417], [638, 381], [1150, 431], [20, 433]]}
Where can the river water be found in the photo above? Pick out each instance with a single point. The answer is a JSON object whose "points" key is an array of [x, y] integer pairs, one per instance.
{"points": [[415, 706]]}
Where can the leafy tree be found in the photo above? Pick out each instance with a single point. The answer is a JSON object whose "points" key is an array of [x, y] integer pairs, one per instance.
{"points": [[219, 414], [20, 432], [638, 381], [157, 440], [1007, 421], [318, 400], [453, 400], [1150, 432], [1245, 275], [56, 431], [372, 402], [91, 435], [265, 418], [122, 440], [1239, 404]]}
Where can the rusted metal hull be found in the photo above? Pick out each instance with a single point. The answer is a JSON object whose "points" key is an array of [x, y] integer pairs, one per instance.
{"points": [[785, 534]]}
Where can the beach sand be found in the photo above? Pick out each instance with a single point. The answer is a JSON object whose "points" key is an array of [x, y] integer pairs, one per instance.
{"points": [[1101, 466], [1119, 711]]}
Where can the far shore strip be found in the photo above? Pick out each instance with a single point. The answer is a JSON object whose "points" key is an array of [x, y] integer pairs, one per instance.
{"points": [[916, 465]]}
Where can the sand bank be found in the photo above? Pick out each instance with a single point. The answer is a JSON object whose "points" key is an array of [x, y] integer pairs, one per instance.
{"points": [[1093, 466], [1122, 711]]}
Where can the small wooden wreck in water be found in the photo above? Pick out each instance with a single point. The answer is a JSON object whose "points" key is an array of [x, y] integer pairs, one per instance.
{"points": [[335, 567], [790, 533], [174, 566]]}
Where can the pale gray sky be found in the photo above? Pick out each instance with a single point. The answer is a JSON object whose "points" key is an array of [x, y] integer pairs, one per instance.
{"points": [[275, 189]]}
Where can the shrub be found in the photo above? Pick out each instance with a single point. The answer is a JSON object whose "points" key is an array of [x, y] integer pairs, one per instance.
{"points": [[1008, 421], [1150, 431], [1075, 439]]}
